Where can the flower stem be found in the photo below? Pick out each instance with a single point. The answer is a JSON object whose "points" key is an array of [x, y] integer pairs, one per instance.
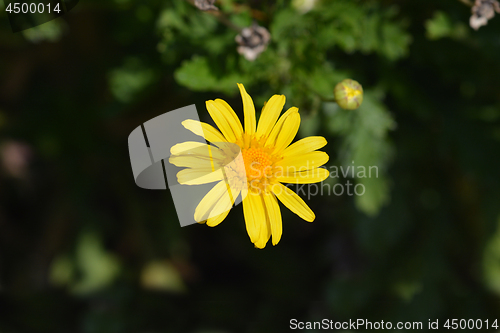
{"points": [[467, 2]]}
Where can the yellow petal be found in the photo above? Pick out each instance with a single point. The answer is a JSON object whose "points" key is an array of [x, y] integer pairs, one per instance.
{"points": [[221, 119], [231, 117], [199, 176], [305, 177], [303, 162], [222, 208], [195, 162], [248, 110], [293, 202], [186, 147], [274, 215], [214, 203], [271, 140], [305, 145], [288, 132], [214, 221], [207, 131], [269, 115], [260, 219], [254, 215], [265, 234], [200, 150]]}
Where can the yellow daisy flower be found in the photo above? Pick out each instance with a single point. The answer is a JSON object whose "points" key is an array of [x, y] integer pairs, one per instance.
{"points": [[252, 162]]}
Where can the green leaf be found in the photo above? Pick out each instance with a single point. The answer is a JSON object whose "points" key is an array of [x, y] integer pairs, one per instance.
{"points": [[365, 145], [196, 74], [375, 193], [98, 267], [441, 26], [128, 81]]}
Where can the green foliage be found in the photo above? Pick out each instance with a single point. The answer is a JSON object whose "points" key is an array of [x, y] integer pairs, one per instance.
{"points": [[349, 25], [365, 143], [50, 31], [441, 26], [491, 262], [129, 80], [198, 76], [95, 268]]}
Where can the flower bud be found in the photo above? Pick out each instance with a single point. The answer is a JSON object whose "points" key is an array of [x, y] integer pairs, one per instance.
{"points": [[348, 94]]}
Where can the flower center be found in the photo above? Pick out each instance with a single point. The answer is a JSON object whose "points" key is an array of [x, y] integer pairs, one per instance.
{"points": [[256, 169], [257, 163], [351, 93]]}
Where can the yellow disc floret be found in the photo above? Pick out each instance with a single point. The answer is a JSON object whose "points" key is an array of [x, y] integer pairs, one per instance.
{"points": [[257, 163]]}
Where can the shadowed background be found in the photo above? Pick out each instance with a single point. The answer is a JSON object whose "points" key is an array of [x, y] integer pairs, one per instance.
{"points": [[83, 249]]}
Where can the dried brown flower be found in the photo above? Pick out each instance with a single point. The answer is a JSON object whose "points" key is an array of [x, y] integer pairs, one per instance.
{"points": [[253, 41], [15, 158], [205, 4], [482, 11]]}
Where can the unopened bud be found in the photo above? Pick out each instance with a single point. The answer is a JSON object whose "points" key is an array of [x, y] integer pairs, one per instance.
{"points": [[348, 94]]}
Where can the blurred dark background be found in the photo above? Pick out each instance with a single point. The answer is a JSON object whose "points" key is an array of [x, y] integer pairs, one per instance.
{"points": [[83, 249]]}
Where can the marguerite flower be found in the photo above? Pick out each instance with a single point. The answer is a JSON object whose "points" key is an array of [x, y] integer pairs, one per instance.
{"points": [[253, 162]]}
